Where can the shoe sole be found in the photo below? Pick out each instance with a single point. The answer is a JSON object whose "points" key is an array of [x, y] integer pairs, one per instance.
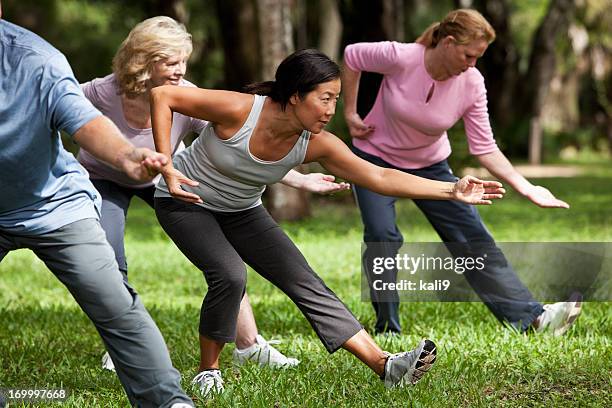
{"points": [[427, 357], [573, 312], [107, 364]]}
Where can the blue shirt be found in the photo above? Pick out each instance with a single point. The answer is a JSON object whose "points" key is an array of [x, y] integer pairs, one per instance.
{"points": [[42, 186]]}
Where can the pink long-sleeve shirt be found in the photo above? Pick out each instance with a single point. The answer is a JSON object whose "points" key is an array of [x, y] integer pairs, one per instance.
{"points": [[410, 132]]}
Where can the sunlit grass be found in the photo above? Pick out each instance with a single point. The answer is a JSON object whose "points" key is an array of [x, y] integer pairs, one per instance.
{"points": [[46, 341]]}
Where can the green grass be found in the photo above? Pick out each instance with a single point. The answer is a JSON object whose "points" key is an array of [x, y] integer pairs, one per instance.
{"points": [[46, 341]]}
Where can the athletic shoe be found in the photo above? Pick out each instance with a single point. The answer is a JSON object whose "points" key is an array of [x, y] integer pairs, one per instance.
{"points": [[209, 382], [264, 354], [181, 405], [107, 362], [409, 367], [558, 317]]}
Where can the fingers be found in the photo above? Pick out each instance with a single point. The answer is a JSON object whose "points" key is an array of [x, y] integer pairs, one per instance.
{"points": [[360, 130], [485, 183], [366, 131], [174, 180], [491, 183], [492, 196], [185, 196], [188, 181], [151, 158], [471, 179], [495, 190], [554, 204], [338, 187]]}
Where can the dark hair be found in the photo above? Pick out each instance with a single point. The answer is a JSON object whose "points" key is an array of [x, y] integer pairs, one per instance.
{"points": [[299, 73]]}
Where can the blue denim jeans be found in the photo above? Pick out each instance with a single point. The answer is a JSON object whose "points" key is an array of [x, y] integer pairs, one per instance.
{"points": [[497, 284]]}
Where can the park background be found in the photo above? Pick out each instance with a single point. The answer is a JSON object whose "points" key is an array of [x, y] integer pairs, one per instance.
{"points": [[549, 87]]}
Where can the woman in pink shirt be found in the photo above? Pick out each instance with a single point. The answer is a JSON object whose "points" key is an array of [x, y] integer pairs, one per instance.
{"points": [[427, 87], [155, 53]]}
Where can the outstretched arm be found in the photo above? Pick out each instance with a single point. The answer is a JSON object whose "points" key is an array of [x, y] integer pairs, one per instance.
{"points": [[500, 167], [101, 138], [314, 182], [337, 158]]}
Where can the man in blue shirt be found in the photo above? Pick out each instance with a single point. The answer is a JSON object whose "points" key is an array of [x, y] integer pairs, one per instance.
{"points": [[47, 204]]}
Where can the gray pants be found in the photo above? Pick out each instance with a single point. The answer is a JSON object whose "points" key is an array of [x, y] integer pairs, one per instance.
{"points": [[81, 258], [219, 243], [115, 203]]}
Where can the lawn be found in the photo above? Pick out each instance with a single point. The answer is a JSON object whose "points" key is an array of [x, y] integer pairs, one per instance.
{"points": [[47, 342]]}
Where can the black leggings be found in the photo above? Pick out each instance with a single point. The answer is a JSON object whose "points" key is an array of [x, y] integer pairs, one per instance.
{"points": [[219, 243]]}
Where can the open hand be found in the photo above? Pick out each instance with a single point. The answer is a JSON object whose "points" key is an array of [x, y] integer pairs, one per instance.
{"points": [[322, 183], [174, 179], [472, 190], [542, 197]]}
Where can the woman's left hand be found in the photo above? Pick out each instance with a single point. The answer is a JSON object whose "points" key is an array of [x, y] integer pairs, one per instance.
{"points": [[542, 197], [322, 183], [472, 190]]}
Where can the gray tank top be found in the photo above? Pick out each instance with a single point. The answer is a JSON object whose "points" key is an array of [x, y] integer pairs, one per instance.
{"points": [[231, 178]]}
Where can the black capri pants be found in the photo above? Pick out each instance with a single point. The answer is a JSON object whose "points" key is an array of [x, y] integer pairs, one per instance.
{"points": [[219, 243]]}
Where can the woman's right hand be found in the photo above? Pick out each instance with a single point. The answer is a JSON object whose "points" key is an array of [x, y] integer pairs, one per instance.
{"points": [[174, 179], [472, 190], [357, 127]]}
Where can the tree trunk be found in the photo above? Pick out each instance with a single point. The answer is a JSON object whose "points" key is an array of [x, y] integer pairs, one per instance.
{"points": [[238, 23], [364, 21], [499, 64], [393, 19], [331, 29], [541, 69], [275, 33]]}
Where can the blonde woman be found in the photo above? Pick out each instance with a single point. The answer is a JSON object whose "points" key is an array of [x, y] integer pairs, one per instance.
{"points": [[427, 87], [155, 53]]}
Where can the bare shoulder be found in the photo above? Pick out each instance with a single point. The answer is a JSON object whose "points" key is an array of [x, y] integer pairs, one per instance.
{"points": [[323, 144], [237, 104], [217, 106]]}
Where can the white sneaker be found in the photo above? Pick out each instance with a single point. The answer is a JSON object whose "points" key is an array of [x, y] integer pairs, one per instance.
{"points": [[209, 382], [107, 362], [264, 354], [558, 317], [181, 405], [410, 366]]}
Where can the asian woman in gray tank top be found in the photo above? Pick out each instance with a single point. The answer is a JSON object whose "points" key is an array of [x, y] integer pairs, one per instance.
{"points": [[216, 185], [123, 97]]}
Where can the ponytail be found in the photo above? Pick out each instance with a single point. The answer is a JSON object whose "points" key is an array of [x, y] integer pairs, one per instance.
{"points": [[430, 36], [265, 88]]}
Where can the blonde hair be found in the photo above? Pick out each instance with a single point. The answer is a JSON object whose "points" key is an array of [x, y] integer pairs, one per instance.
{"points": [[152, 40], [465, 25]]}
